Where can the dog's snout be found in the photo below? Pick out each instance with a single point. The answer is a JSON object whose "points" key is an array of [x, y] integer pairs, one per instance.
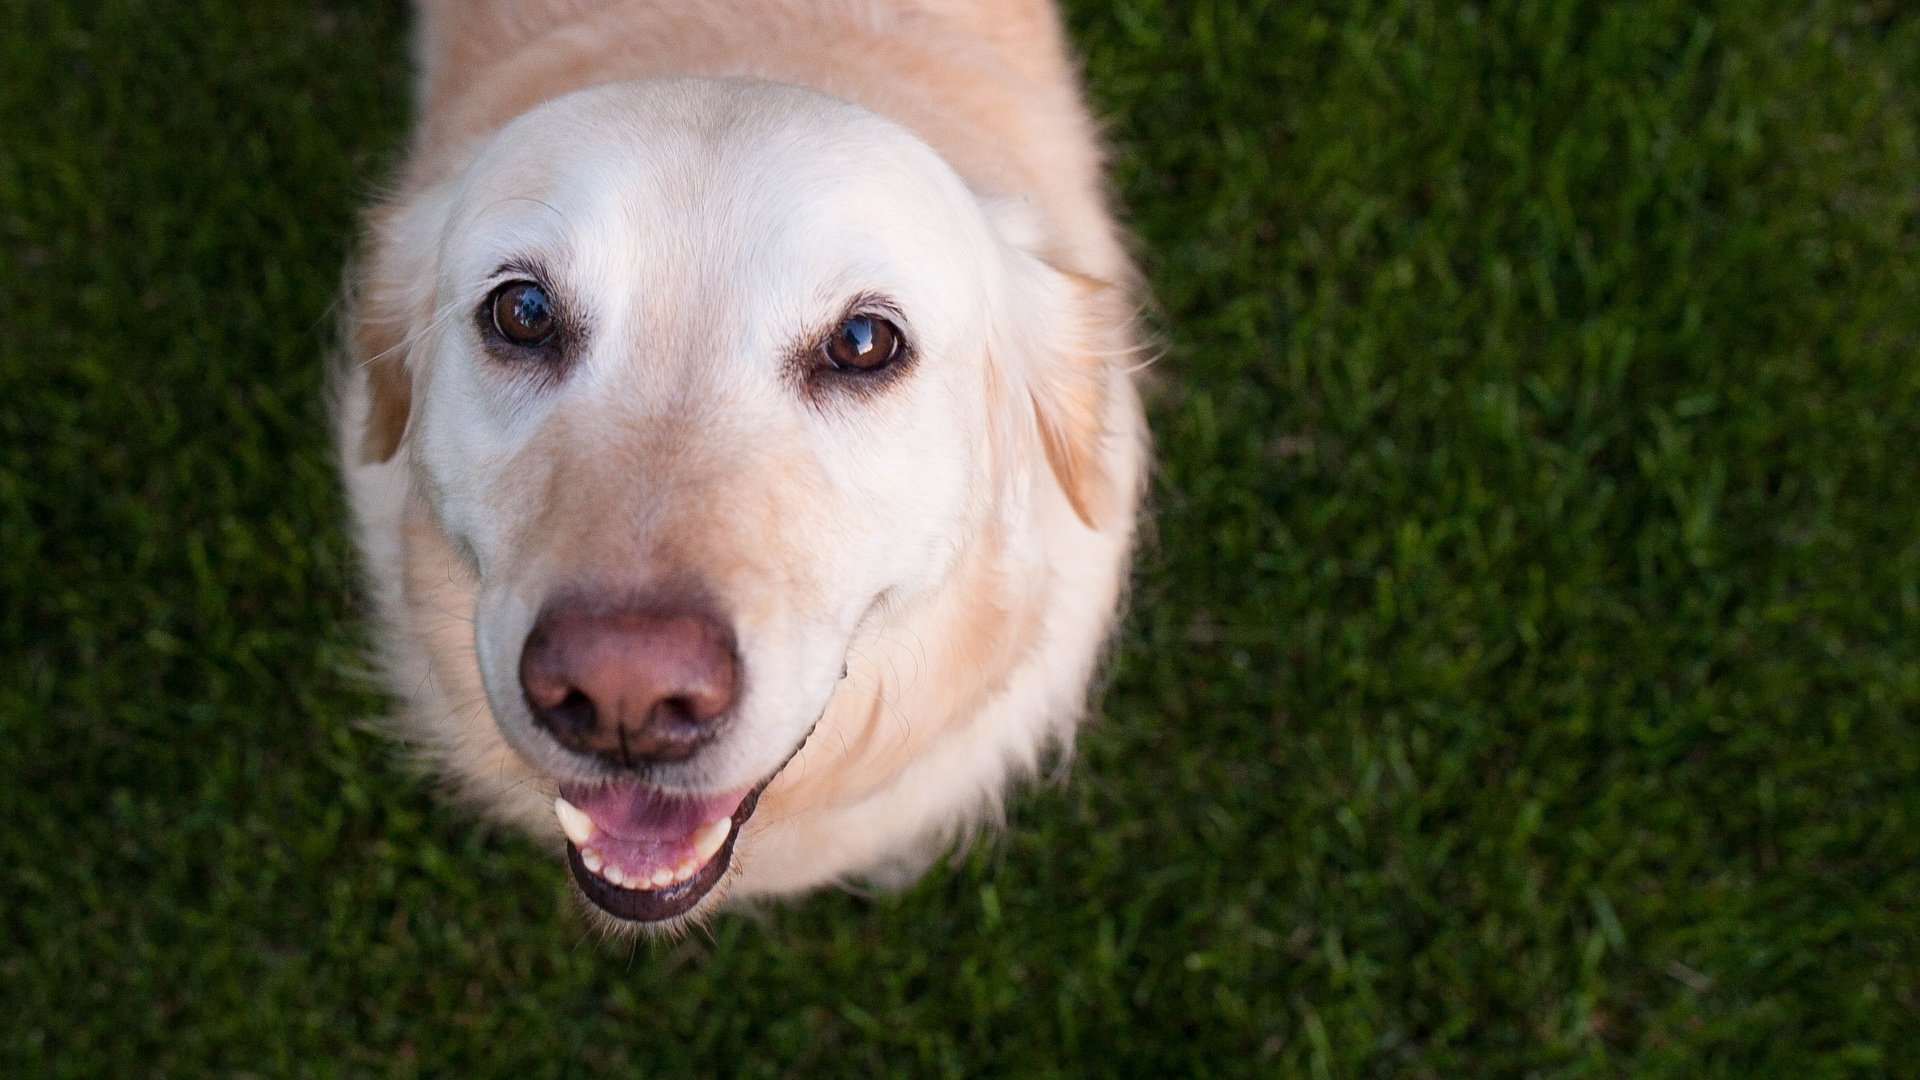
{"points": [[630, 686]]}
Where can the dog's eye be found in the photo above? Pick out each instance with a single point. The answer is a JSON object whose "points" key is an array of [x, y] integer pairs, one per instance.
{"points": [[862, 343], [523, 313]]}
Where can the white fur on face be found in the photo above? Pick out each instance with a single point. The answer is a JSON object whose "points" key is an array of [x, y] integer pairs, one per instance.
{"points": [[698, 235]]}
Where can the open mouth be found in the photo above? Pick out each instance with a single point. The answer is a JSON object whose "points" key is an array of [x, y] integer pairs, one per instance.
{"points": [[645, 855]]}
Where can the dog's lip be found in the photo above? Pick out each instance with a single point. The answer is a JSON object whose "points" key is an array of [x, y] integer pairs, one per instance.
{"points": [[672, 901]]}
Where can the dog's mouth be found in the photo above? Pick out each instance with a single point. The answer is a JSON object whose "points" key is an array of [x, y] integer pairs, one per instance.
{"points": [[645, 855]]}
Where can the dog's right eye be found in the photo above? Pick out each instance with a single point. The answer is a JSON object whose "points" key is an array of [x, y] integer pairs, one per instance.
{"points": [[523, 314], [862, 344]]}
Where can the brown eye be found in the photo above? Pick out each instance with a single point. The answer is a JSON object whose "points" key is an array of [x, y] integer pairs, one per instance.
{"points": [[522, 313], [863, 343]]}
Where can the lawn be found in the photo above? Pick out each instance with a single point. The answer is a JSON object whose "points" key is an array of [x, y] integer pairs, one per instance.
{"points": [[1522, 678]]}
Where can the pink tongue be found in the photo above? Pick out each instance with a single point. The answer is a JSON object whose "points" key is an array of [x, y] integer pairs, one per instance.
{"points": [[641, 828]]}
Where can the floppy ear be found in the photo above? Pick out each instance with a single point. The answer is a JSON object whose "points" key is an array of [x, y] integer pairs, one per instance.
{"points": [[391, 306], [389, 388], [1070, 334], [1070, 392]]}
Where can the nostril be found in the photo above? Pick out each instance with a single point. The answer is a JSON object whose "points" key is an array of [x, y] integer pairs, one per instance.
{"points": [[574, 712], [675, 710], [629, 685]]}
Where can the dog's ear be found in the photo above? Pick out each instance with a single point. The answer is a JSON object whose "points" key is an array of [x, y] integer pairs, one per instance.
{"points": [[1069, 335], [389, 384], [1070, 391], [391, 305]]}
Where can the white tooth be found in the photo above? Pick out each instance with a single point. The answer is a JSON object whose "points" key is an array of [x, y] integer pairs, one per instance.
{"points": [[591, 858], [684, 871], [612, 873], [573, 821], [710, 837], [662, 876]]}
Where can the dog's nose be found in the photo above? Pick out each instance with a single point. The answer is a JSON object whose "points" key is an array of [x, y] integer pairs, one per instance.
{"points": [[629, 686]]}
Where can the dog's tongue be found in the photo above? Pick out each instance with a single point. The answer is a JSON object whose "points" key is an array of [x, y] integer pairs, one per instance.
{"points": [[640, 826]]}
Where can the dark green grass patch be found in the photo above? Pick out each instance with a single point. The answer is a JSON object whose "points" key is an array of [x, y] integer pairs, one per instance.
{"points": [[1523, 676]]}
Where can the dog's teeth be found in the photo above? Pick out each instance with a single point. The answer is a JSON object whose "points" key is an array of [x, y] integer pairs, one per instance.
{"points": [[573, 821], [710, 837], [579, 828]]}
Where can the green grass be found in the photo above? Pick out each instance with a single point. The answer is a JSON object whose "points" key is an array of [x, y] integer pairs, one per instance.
{"points": [[1523, 679]]}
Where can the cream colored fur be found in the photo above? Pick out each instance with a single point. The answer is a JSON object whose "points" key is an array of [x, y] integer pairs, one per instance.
{"points": [[959, 542]]}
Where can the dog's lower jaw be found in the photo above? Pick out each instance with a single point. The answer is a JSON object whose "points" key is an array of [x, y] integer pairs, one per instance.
{"points": [[646, 907], [651, 904]]}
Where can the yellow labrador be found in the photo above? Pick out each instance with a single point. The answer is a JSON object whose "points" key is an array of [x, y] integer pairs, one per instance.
{"points": [[738, 422]]}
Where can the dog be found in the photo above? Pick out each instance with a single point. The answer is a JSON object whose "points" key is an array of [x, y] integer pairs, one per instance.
{"points": [[737, 410]]}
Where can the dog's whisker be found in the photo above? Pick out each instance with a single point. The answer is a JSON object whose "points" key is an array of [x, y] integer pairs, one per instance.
{"points": [[536, 201], [434, 325], [1152, 360]]}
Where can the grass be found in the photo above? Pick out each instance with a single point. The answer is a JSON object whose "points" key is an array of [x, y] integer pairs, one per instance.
{"points": [[1523, 679]]}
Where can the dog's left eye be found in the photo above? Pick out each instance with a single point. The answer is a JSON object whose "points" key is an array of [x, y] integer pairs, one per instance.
{"points": [[523, 313], [862, 343]]}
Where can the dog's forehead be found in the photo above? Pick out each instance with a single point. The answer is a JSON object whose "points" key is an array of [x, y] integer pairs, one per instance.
{"points": [[740, 176]]}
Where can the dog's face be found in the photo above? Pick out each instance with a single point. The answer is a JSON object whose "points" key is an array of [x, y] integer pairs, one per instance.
{"points": [[701, 379]]}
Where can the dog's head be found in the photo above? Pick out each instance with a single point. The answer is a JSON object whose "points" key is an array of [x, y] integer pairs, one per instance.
{"points": [[700, 380]]}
